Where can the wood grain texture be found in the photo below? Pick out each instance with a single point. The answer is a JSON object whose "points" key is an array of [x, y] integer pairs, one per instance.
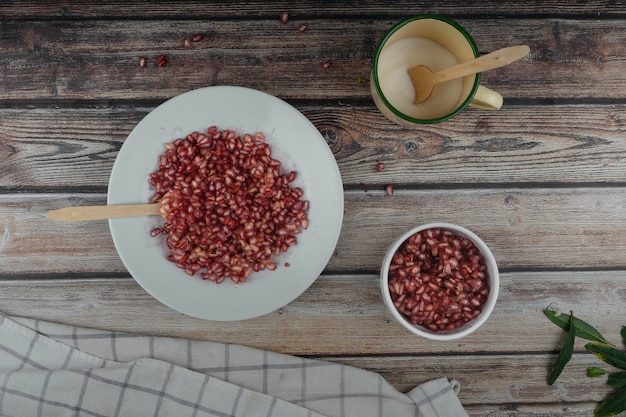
{"points": [[486, 382], [312, 9], [61, 149], [338, 315], [540, 181], [525, 229], [63, 60]]}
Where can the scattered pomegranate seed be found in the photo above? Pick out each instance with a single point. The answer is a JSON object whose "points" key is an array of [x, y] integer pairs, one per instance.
{"points": [[161, 60], [284, 17], [198, 38], [302, 28], [389, 190], [142, 62], [379, 167], [186, 43], [325, 65], [287, 264]]}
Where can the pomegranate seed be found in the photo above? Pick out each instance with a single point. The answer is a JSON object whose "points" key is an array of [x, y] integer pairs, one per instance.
{"points": [[186, 43], [325, 65], [284, 17], [142, 62], [198, 38], [379, 167], [433, 288], [389, 189], [161, 60], [228, 208], [302, 28]]}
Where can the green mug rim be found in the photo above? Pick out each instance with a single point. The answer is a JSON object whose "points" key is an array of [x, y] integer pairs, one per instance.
{"points": [[393, 30]]}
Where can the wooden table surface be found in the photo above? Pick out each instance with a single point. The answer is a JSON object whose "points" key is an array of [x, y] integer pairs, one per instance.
{"points": [[542, 181]]}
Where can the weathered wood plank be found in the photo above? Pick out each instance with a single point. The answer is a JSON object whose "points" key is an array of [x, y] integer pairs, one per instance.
{"points": [[75, 148], [560, 409], [47, 148], [64, 60], [33, 245], [263, 9], [525, 229], [512, 384], [341, 315]]}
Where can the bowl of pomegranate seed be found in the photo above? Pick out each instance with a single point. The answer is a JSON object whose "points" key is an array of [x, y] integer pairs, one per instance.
{"points": [[440, 281], [250, 201]]}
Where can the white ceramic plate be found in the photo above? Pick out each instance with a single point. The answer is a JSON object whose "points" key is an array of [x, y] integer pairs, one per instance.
{"points": [[293, 139]]}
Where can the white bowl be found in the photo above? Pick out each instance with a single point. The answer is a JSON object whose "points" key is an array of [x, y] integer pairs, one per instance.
{"points": [[470, 326], [294, 140]]}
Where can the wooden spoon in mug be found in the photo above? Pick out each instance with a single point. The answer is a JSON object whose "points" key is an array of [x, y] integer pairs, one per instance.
{"points": [[424, 79], [84, 213]]}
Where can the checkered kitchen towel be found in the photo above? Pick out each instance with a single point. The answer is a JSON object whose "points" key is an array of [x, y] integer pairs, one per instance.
{"points": [[49, 369]]}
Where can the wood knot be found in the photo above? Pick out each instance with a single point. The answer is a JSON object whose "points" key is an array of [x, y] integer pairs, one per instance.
{"points": [[330, 136], [410, 146]]}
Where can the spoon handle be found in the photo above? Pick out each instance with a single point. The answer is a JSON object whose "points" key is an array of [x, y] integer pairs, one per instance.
{"points": [[495, 59], [83, 213]]}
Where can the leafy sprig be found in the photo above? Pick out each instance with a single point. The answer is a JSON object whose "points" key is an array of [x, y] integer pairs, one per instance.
{"points": [[615, 402], [583, 329], [565, 354]]}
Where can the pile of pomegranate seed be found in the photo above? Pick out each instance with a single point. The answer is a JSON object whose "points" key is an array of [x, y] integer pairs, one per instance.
{"points": [[438, 280], [228, 208]]}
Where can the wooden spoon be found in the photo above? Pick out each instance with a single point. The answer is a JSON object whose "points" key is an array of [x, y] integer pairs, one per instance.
{"points": [[83, 213], [424, 79]]}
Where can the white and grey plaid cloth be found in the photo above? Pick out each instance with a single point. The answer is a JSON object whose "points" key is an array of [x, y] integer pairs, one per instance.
{"points": [[50, 369]]}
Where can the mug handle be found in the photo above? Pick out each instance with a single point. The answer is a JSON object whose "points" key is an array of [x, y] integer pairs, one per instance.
{"points": [[486, 99]]}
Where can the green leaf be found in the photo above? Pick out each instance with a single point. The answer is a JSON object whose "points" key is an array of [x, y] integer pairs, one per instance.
{"points": [[565, 354], [583, 329], [593, 372], [613, 404], [617, 379], [623, 335], [608, 353]]}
